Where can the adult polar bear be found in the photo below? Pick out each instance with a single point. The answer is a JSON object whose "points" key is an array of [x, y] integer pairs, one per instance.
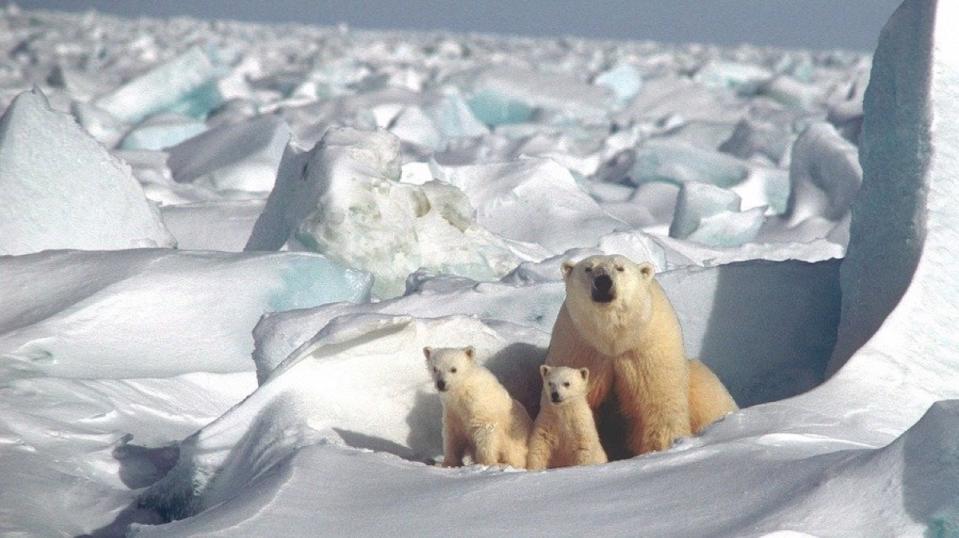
{"points": [[617, 321]]}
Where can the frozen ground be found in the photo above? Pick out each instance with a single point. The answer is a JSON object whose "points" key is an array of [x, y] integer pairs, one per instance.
{"points": [[339, 199]]}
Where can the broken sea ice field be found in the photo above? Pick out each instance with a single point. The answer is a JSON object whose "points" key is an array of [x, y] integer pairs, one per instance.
{"points": [[224, 245]]}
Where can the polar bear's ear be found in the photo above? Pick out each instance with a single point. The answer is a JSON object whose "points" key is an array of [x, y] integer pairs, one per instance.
{"points": [[427, 351], [647, 270], [584, 373], [543, 370], [567, 268], [470, 352]]}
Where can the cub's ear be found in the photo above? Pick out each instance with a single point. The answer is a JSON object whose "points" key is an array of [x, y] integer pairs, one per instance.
{"points": [[567, 268], [647, 270], [584, 373], [470, 352], [427, 351], [543, 370]]}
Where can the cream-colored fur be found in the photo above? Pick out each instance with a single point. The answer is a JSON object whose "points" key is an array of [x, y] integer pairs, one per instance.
{"points": [[633, 344], [564, 432], [479, 416]]}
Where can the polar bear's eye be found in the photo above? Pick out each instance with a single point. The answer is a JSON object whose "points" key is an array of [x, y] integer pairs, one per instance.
{"points": [[436, 370], [588, 269], [620, 268], [453, 370], [566, 383]]}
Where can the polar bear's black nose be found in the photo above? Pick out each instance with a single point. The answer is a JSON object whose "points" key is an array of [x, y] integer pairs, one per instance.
{"points": [[603, 283], [441, 385], [602, 291]]}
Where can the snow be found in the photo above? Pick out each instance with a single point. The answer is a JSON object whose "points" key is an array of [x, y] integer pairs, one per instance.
{"points": [[182, 84], [532, 200], [824, 175], [107, 313], [898, 310], [355, 196], [347, 189], [213, 225], [63, 190], [161, 131], [242, 156], [623, 79], [711, 215], [681, 162]]}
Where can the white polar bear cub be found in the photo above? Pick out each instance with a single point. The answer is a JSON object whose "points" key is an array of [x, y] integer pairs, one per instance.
{"points": [[564, 433], [479, 416]]}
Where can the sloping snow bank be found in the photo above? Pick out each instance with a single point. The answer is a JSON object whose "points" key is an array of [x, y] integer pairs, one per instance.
{"points": [[329, 391], [61, 189], [152, 312], [906, 488]]}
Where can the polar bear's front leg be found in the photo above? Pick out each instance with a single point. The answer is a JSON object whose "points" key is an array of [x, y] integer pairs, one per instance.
{"points": [[662, 425], [654, 397], [537, 458], [486, 442]]}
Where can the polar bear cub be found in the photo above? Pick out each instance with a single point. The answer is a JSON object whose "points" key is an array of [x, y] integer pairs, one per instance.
{"points": [[564, 433], [479, 416]]}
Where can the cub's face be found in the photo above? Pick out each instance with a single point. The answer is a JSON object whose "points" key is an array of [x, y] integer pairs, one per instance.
{"points": [[604, 281], [561, 384], [449, 365]]}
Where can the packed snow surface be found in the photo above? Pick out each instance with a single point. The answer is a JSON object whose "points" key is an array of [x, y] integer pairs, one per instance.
{"points": [[339, 199]]}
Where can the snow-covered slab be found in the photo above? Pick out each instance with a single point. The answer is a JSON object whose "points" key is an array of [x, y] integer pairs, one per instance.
{"points": [[61, 189], [680, 162], [151, 312], [162, 131], [507, 94], [217, 225], [711, 215], [184, 84], [679, 96], [242, 156]]}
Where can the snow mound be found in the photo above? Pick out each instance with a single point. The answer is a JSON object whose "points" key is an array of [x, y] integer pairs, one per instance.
{"points": [[61, 189], [151, 312], [326, 392], [337, 197], [243, 156], [534, 201]]}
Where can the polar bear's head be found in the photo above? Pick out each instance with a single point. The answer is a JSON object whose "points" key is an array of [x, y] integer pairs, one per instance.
{"points": [[562, 384], [607, 298], [449, 365]]}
